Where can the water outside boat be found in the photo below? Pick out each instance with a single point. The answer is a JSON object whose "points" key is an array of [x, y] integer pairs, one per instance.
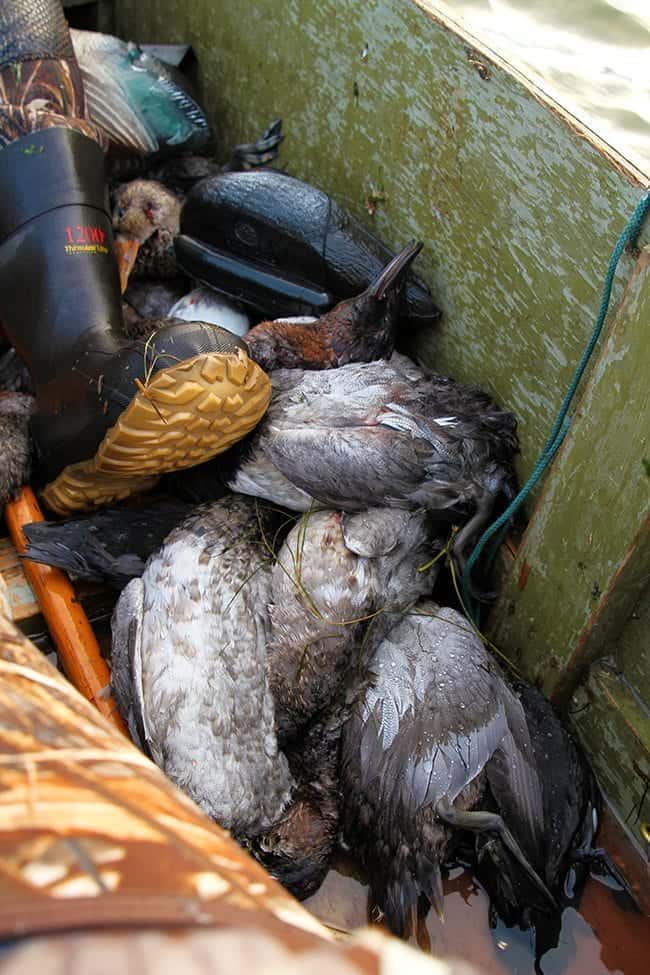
{"points": [[592, 56]]}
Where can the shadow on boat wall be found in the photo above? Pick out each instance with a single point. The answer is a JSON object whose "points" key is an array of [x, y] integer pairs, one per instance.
{"points": [[421, 132]]}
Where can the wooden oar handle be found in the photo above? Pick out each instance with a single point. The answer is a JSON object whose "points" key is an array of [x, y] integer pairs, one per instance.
{"points": [[71, 631]]}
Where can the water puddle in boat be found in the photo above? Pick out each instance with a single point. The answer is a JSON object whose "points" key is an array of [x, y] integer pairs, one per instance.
{"points": [[601, 938]]}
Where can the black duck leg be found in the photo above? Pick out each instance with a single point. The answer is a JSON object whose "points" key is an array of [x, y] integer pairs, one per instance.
{"points": [[487, 822]]}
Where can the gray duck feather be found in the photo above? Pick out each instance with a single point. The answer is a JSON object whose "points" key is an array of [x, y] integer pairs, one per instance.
{"points": [[189, 646], [435, 715], [380, 434], [332, 573]]}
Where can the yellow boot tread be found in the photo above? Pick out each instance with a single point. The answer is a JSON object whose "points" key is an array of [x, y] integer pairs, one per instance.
{"points": [[185, 415]]}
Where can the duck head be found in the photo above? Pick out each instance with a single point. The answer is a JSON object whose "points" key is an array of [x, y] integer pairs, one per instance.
{"points": [[297, 849], [141, 209], [358, 329]]}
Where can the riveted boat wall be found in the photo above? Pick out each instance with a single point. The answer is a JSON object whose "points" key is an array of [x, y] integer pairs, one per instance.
{"points": [[422, 132]]}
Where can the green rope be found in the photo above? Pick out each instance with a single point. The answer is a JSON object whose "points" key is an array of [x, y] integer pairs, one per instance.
{"points": [[562, 421]]}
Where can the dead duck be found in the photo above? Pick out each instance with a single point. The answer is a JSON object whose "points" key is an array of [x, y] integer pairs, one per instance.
{"points": [[206, 305], [146, 212], [297, 850], [14, 377], [379, 434], [331, 574], [207, 642], [15, 446], [357, 329], [569, 855], [436, 727], [145, 298], [334, 572], [110, 546], [188, 658]]}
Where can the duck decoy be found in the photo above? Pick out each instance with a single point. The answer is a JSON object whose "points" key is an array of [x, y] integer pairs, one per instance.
{"points": [[358, 329], [333, 573], [283, 247], [435, 728], [109, 546], [142, 103], [379, 434], [188, 659], [15, 448]]}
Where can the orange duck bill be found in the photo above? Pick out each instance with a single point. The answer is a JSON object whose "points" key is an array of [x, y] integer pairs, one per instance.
{"points": [[126, 250]]}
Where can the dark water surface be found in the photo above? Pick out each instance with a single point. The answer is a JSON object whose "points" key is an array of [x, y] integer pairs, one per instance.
{"points": [[603, 937], [592, 56]]}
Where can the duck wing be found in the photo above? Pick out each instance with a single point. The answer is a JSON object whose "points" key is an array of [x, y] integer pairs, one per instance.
{"points": [[111, 545], [350, 467], [516, 785], [440, 714], [425, 724], [126, 662], [569, 794]]}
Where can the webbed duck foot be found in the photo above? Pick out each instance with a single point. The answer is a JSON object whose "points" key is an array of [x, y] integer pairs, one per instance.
{"points": [[488, 822]]}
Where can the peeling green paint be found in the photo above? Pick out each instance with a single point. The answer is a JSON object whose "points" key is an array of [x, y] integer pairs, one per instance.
{"points": [[587, 546]]}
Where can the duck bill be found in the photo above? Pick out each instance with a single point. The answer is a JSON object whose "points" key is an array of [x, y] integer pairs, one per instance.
{"points": [[395, 269], [126, 251]]}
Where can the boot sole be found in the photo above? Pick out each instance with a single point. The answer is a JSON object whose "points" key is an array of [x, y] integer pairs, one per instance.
{"points": [[184, 415]]}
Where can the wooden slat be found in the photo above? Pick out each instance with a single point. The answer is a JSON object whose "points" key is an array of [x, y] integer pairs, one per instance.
{"points": [[615, 730], [24, 604], [631, 653]]}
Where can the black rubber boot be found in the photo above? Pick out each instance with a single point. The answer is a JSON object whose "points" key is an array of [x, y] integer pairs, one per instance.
{"points": [[112, 414]]}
